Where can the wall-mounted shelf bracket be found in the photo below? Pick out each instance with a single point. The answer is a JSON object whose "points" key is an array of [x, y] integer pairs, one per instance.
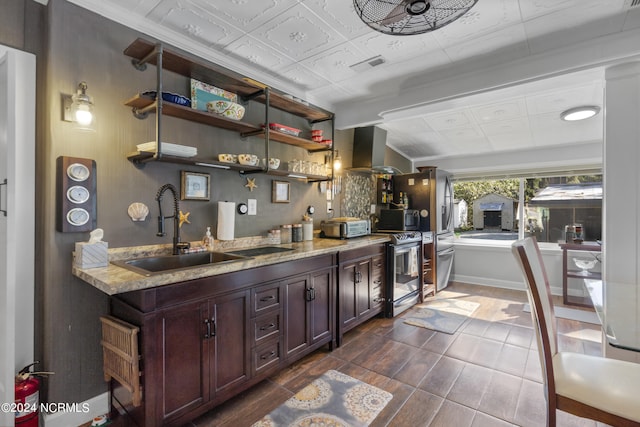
{"points": [[141, 64]]}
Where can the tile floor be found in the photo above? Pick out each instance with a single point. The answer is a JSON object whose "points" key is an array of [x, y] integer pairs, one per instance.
{"points": [[486, 374]]}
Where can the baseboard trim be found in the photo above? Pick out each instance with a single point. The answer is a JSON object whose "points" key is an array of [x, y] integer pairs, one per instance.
{"points": [[86, 411], [497, 283]]}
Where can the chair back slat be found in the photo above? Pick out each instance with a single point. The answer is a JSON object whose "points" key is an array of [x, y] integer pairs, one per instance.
{"points": [[529, 258]]}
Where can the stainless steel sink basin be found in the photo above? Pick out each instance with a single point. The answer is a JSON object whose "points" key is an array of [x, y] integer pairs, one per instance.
{"points": [[263, 250], [149, 266]]}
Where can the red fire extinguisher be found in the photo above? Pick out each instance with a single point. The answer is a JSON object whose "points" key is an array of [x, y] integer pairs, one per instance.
{"points": [[27, 397]]}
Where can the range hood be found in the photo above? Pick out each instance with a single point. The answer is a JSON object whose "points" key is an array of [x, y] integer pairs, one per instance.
{"points": [[369, 145]]}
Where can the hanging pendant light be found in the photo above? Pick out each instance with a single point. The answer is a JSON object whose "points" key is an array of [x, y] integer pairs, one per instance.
{"points": [[409, 17]]}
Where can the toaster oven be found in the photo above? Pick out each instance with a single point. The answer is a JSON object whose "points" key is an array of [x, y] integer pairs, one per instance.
{"points": [[345, 228]]}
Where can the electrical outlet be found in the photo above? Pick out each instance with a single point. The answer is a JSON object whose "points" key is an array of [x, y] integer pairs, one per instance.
{"points": [[253, 206]]}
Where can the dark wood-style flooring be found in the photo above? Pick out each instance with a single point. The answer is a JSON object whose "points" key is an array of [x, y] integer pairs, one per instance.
{"points": [[487, 374]]}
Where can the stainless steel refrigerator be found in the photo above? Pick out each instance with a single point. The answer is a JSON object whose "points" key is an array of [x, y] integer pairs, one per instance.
{"points": [[431, 193], [444, 228]]}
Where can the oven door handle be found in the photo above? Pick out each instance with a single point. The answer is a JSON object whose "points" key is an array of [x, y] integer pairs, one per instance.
{"points": [[446, 253]]}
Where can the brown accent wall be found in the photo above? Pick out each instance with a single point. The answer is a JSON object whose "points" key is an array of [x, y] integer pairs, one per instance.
{"points": [[83, 46], [73, 45]]}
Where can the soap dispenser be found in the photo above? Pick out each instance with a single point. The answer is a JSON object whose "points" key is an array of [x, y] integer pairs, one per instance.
{"points": [[207, 240]]}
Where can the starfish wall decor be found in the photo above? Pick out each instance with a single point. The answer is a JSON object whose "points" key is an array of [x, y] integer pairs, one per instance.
{"points": [[184, 217], [251, 184]]}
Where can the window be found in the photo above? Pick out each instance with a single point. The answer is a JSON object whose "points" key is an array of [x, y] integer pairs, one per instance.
{"points": [[489, 209]]}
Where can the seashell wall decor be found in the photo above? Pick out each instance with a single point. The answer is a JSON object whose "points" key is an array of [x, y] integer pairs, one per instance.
{"points": [[138, 211]]}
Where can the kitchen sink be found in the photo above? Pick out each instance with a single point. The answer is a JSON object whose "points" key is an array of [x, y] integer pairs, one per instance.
{"points": [[149, 266], [264, 250]]}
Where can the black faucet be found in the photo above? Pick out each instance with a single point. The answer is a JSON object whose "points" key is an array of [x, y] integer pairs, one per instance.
{"points": [[177, 245]]}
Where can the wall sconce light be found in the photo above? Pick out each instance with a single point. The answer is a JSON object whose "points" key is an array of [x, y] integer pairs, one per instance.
{"points": [[79, 107], [579, 113], [337, 162]]}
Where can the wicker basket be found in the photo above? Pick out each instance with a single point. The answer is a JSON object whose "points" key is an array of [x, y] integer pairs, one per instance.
{"points": [[120, 352]]}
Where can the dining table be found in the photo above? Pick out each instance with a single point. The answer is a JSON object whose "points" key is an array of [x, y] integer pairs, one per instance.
{"points": [[617, 306]]}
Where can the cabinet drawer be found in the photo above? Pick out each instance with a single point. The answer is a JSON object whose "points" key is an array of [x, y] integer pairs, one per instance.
{"points": [[267, 355], [266, 297], [377, 263], [266, 326]]}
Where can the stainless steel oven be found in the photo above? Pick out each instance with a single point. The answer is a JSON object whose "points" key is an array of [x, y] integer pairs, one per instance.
{"points": [[404, 256]]}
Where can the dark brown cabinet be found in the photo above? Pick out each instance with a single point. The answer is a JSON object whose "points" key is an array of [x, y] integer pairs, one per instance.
{"points": [[184, 352], [203, 351], [360, 286], [204, 341], [308, 312]]}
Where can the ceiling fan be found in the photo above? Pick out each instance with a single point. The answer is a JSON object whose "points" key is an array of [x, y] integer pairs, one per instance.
{"points": [[409, 17]]}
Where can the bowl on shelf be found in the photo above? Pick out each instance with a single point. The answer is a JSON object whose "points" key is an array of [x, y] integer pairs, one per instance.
{"points": [[585, 264], [174, 98], [248, 159], [274, 163], [226, 108]]}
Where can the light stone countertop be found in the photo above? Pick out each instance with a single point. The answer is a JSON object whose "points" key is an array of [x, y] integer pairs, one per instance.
{"points": [[115, 280]]}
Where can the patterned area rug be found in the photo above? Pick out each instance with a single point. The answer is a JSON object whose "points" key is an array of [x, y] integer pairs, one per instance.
{"points": [[332, 400], [445, 315]]}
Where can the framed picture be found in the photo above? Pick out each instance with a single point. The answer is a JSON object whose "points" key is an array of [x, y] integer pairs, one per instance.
{"points": [[280, 192], [194, 186]]}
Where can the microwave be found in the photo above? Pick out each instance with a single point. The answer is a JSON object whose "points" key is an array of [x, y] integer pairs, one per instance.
{"points": [[399, 220]]}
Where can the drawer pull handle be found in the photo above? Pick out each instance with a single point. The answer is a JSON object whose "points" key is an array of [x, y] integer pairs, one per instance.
{"points": [[268, 356], [269, 326], [377, 282], [268, 298]]}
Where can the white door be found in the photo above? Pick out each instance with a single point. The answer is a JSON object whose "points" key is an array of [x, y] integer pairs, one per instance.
{"points": [[17, 164]]}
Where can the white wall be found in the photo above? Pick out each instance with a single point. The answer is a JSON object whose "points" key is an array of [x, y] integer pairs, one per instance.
{"points": [[621, 205], [491, 263]]}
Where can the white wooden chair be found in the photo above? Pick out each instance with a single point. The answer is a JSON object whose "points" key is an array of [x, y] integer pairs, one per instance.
{"points": [[602, 389]]}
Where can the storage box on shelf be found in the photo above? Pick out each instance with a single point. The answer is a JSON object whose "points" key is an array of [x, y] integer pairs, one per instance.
{"points": [[144, 52]]}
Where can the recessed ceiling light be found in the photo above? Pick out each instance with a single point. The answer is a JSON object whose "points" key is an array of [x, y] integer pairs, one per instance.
{"points": [[580, 113]]}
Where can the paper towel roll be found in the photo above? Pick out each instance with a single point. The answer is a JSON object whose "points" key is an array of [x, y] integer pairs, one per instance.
{"points": [[226, 220]]}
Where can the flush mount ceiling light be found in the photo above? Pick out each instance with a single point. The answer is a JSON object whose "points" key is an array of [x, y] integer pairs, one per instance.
{"points": [[579, 113], [409, 17]]}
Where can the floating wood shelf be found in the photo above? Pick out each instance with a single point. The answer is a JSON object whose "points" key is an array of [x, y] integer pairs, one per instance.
{"points": [[225, 79]]}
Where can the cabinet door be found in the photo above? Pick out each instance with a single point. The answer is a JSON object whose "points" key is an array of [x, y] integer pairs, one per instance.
{"points": [[348, 308], [296, 294], [321, 305], [363, 283], [230, 323], [184, 349]]}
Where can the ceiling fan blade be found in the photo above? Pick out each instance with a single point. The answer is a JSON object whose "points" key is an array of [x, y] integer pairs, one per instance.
{"points": [[397, 14]]}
